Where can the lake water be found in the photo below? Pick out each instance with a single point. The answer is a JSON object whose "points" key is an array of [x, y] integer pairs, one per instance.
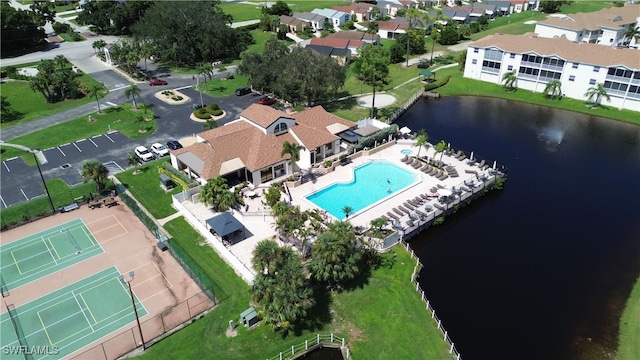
{"points": [[542, 269]]}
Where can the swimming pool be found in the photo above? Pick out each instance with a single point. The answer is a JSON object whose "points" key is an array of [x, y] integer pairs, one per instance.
{"points": [[372, 182]]}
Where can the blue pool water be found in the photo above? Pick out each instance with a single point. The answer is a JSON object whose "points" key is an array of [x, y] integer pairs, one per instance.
{"points": [[371, 183], [407, 151]]}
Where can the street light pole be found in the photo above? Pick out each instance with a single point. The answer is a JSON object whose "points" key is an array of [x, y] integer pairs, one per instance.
{"points": [[133, 302], [53, 208]]}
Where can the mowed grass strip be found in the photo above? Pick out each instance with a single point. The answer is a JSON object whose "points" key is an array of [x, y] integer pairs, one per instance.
{"points": [[121, 118], [629, 335], [145, 187]]}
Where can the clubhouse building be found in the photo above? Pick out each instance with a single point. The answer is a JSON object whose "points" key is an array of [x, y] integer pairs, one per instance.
{"points": [[249, 148]]}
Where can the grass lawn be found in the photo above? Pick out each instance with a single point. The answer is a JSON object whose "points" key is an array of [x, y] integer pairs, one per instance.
{"points": [[388, 298], [224, 88], [122, 118], [241, 11], [29, 105], [145, 187], [628, 344], [61, 195], [460, 86]]}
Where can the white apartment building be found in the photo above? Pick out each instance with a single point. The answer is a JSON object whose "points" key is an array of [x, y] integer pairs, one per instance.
{"points": [[604, 27], [538, 61]]}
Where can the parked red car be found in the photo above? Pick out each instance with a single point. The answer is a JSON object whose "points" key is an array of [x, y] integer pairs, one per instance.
{"points": [[154, 82], [267, 101]]}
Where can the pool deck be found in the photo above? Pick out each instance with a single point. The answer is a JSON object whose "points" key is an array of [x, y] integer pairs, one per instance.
{"points": [[259, 223]]}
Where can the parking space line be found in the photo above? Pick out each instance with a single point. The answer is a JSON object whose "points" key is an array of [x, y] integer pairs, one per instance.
{"points": [[94, 144], [3, 203], [5, 165], [23, 194], [63, 154], [107, 136], [13, 158], [74, 144], [47, 149]]}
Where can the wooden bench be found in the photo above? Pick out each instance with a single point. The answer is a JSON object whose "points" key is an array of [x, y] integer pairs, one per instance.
{"points": [[70, 207]]}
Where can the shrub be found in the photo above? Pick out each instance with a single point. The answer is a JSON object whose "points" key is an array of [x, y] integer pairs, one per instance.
{"points": [[176, 98], [437, 84], [328, 163], [215, 112], [62, 28], [202, 114], [76, 36], [213, 107]]}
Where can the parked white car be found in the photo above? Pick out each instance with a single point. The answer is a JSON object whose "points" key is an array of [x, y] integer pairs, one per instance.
{"points": [[159, 149], [144, 154]]}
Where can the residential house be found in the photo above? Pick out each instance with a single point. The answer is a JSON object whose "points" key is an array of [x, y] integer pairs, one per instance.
{"points": [[357, 35], [459, 14], [316, 21], [336, 18], [578, 66], [359, 12], [604, 27], [339, 43], [503, 8], [518, 6], [388, 7], [392, 28], [249, 148], [342, 56], [293, 24]]}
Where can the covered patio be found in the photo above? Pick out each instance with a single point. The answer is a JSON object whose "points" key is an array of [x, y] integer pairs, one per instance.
{"points": [[226, 227]]}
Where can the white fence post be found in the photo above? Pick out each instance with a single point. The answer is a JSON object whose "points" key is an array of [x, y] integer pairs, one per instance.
{"points": [[439, 324], [331, 337], [306, 344], [445, 335], [451, 350], [318, 339], [293, 350]]}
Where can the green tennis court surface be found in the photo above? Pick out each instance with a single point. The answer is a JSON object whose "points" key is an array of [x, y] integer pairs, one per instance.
{"points": [[46, 252], [70, 318]]}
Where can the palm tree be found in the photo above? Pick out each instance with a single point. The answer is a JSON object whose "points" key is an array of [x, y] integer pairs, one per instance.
{"points": [[206, 70], [216, 193], [377, 224], [421, 140], [94, 91], [96, 171], [265, 257], [133, 90], [98, 45], [61, 61], [414, 17], [598, 92], [333, 260], [133, 160], [441, 147], [509, 79], [347, 210], [293, 150], [140, 121], [209, 124], [553, 89], [633, 33]]}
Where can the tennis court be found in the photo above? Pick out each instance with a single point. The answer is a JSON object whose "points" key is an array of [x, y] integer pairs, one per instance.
{"points": [[46, 252], [70, 318]]}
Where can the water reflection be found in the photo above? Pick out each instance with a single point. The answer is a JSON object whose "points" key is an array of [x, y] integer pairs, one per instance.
{"points": [[542, 269]]}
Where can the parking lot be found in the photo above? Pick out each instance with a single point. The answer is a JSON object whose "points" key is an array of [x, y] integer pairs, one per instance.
{"points": [[21, 182]]}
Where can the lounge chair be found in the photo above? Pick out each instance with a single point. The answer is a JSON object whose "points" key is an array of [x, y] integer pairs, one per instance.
{"points": [[406, 211], [409, 223], [442, 177], [471, 172], [409, 206], [424, 197], [481, 164], [399, 212], [405, 159], [434, 171], [392, 216], [438, 206], [423, 215], [424, 167], [416, 163]]}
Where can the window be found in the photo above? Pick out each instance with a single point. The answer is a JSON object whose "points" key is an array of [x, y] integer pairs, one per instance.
{"points": [[575, 65], [266, 175], [510, 67], [592, 82], [280, 128], [572, 78], [475, 50], [596, 69], [512, 56], [474, 61]]}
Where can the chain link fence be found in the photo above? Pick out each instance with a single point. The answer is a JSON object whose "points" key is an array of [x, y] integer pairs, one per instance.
{"points": [[154, 328]]}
